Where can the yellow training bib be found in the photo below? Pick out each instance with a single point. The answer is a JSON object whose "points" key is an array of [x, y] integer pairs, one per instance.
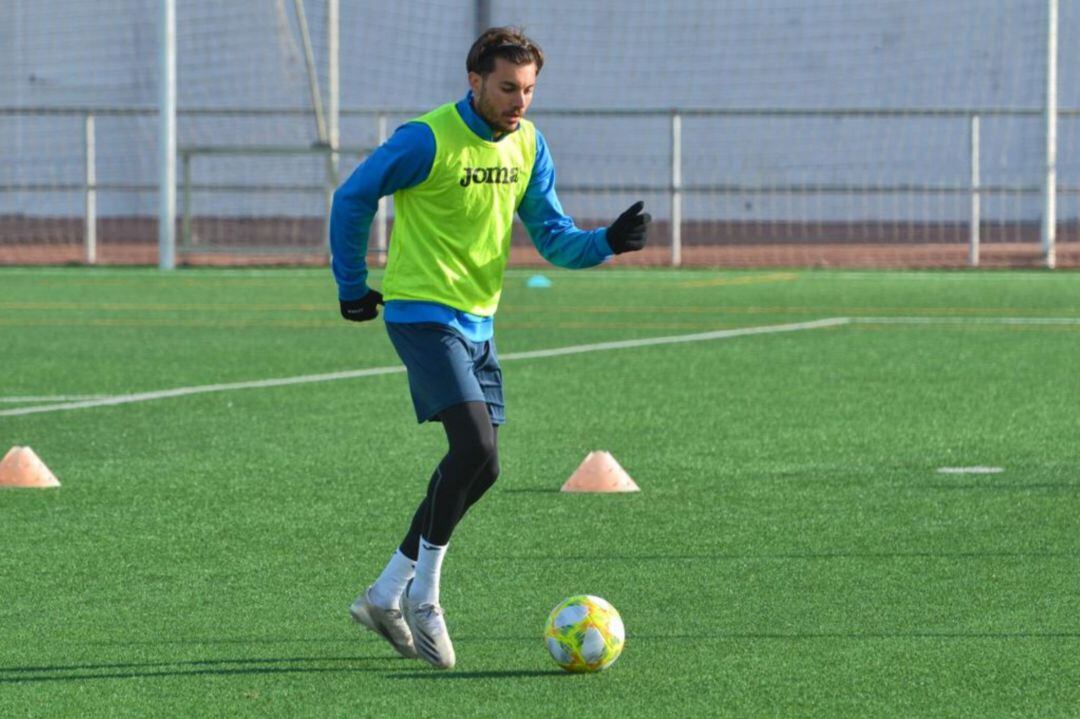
{"points": [[451, 236]]}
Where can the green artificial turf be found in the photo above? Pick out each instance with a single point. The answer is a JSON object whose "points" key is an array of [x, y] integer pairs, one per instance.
{"points": [[794, 550]]}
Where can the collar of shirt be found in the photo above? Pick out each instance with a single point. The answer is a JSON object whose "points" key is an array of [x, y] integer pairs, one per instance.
{"points": [[476, 123]]}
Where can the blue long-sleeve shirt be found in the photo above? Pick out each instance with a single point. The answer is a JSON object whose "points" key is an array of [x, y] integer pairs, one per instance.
{"points": [[405, 161]]}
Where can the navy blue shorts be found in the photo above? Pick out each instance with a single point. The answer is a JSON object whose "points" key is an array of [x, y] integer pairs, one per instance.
{"points": [[446, 369]]}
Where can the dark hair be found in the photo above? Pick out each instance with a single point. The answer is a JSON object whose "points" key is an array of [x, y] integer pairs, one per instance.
{"points": [[509, 43]]}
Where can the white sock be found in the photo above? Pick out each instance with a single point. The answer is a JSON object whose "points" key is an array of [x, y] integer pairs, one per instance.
{"points": [[387, 589], [425, 586]]}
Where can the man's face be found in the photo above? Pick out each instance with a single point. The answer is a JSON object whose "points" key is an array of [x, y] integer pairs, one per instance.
{"points": [[503, 96]]}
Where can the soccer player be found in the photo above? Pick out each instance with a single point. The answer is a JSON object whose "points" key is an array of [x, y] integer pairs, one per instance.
{"points": [[458, 174]]}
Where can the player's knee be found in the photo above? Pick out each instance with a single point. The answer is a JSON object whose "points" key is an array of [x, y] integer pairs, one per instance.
{"points": [[477, 454], [486, 449], [489, 473], [484, 459]]}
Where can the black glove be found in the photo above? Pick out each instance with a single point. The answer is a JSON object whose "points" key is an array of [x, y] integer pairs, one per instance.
{"points": [[627, 233], [363, 309]]}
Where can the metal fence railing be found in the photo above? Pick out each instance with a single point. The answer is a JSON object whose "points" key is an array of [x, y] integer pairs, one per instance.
{"points": [[673, 186]]}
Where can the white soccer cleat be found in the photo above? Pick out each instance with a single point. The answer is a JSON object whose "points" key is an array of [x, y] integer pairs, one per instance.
{"points": [[432, 640], [387, 623]]}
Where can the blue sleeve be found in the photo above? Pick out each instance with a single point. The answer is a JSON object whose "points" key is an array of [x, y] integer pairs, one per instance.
{"points": [[559, 241], [402, 161]]}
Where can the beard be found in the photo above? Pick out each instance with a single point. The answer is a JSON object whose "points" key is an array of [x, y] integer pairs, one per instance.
{"points": [[487, 110]]}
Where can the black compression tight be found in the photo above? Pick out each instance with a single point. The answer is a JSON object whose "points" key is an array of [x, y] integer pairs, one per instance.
{"points": [[470, 467]]}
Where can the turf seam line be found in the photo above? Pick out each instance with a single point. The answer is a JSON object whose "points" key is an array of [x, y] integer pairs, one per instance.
{"points": [[966, 320], [373, 371]]}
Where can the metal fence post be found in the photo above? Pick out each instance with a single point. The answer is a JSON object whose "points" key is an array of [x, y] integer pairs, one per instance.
{"points": [[973, 249], [333, 109], [90, 232], [1049, 221], [676, 188], [167, 136], [381, 221]]}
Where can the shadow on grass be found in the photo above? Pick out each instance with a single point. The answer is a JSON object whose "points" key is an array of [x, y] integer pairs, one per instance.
{"points": [[782, 556], [197, 642], [384, 665], [797, 636], [501, 674], [197, 667], [854, 636]]}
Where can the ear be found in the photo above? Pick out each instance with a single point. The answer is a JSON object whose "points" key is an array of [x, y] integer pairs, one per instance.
{"points": [[475, 81]]}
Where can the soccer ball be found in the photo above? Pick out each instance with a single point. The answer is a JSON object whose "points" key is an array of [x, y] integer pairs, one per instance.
{"points": [[584, 634]]}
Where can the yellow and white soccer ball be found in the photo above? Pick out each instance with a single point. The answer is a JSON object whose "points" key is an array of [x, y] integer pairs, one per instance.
{"points": [[584, 634]]}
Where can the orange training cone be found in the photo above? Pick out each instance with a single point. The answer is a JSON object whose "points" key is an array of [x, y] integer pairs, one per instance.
{"points": [[600, 473], [22, 468]]}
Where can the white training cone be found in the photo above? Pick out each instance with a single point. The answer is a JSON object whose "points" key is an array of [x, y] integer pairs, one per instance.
{"points": [[600, 473], [22, 468]]}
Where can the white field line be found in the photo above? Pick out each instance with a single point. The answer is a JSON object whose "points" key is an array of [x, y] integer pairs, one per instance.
{"points": [[352, 374], [970, 470], [1050, 321], [932, 275], [698, 337], [51, 398], [199, 389]]}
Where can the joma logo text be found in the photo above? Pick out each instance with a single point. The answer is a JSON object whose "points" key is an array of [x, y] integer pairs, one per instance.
{"points": [[489, 176]]}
